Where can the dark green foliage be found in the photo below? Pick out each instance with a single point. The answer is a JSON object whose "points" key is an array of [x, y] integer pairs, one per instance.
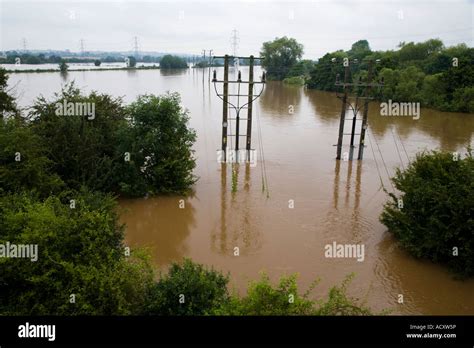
{"points": [[132, 61], [7, 102], [93, 152], [97, 62], [324, 74], [263, 298], [438, 210], [280, 55], [63, 66], [173, 62], [79, 252], [301, 69], [84, 151], [160, 144], [419, 72], [338, 303], [201, 64], [203, 290], [24, 162]]}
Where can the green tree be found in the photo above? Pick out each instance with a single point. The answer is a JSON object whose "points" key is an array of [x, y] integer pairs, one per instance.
{"points": [[323, 75], [7, 102], [437, 212], [425, 72], [63, 66], [132, 61], [187, 289], [359, 50], [160, 144], [24, 162], [79, 253], [84, 150], [280, 55], [173, 62], [97, 62]]}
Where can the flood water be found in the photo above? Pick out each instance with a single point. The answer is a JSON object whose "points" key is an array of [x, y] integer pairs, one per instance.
{"points": [[334, 201]]}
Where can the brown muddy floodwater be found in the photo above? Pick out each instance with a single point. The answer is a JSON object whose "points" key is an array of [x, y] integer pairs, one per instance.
{"points": [[333, 201]]}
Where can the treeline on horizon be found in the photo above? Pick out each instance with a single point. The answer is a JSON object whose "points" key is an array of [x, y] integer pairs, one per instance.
{"points": [[427, 72], [171, 61]]}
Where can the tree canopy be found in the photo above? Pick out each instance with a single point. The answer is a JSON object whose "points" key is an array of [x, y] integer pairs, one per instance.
{"points": [[425, 72], [280, 55], [172, 62]]}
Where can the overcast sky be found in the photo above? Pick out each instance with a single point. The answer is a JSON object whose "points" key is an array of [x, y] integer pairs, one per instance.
{"points": [[191, 26]]}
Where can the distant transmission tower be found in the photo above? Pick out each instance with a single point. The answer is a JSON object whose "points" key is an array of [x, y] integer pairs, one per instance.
{"points": [[234, 41], [135, 46], [81, 43], [23, 43]]}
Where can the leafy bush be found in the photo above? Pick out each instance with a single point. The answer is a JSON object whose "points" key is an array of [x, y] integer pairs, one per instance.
{"points": [[160, 144], [83, 150], [338, 303], [173, 62], [143, 148], [420, 72], [203, 291], [80, 252], [280, 55], [7, 102], [263, 298], [24, 164], [438, 210], [296, 80]]}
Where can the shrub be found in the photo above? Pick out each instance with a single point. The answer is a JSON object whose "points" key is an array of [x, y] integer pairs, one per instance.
{"points": [[24, 164], [263, 298], [295, 80], [83, 149], [173, 62], [93, 151], [203, 290], [79, 252], [160, 144], [438, 210], [338, 303]]}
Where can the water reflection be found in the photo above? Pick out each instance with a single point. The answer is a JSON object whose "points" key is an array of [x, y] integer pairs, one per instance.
{"points": [[452, 130], [173, 72], [350, 211], [277, 98], [326, 105], [238, 225], [64, 75]]}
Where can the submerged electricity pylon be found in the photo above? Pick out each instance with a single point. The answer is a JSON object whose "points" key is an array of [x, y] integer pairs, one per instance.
{"points": [[346, 85], [250, 98]]}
